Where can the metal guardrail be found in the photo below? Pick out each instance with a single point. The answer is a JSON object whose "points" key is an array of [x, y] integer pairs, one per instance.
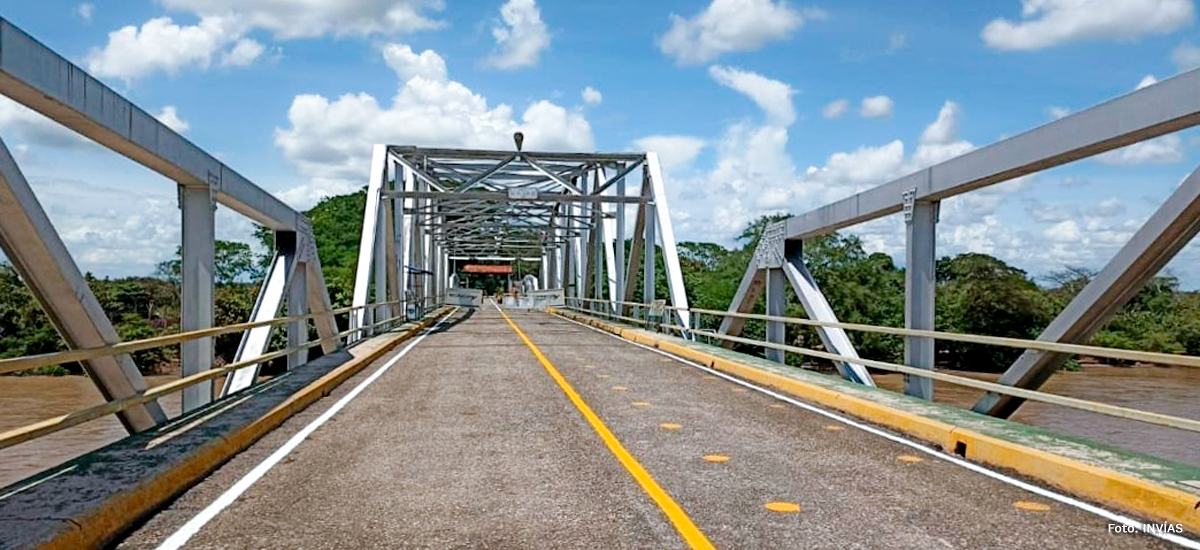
{"points": [[51, 425], [1186, 424]]}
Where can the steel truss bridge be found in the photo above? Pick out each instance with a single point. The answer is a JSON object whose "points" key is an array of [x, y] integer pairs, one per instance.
{"points": [[608, 420]]}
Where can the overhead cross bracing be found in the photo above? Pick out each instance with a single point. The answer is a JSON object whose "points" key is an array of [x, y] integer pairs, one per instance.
{"points": [[504, 203]]}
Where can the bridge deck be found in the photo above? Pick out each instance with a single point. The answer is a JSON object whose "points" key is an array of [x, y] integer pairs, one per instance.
{"points": [[468, 442]]}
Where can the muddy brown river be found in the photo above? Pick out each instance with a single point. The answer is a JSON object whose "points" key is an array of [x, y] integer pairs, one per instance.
{"points": [[1174, 391]]}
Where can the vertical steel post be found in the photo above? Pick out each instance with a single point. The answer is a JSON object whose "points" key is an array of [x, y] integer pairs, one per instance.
{"points": [[920, 284], [367, 244], [649, 277], [380, 267], [776, 306], [196, 310], [673, 271], [297, 331], [620, 239]]}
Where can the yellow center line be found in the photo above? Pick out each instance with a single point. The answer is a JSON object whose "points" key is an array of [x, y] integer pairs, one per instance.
{"points": [[679, 518]]}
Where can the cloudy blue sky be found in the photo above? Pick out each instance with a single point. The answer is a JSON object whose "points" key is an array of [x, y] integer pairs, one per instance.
{"points": [[757, 106]]}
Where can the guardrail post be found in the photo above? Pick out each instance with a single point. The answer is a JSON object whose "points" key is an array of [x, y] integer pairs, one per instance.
{"points": [[198, 205], [920, 285]]}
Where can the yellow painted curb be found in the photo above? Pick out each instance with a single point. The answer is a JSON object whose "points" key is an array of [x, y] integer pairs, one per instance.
{"points": [[1116, 489], [125, 509]]}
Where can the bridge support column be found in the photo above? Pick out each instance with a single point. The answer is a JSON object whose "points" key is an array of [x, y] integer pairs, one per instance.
{"points": [[198, 205], [776, 306], [920, 283]]}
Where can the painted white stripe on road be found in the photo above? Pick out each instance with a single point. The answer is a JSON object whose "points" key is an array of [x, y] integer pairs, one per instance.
{"points": [[193, 526], [1061, 498]]}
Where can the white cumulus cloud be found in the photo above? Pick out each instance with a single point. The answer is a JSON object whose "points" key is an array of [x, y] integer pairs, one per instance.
{"points": [[169, 115], [329, 141], [521, 36], [674, 151], [835, 109], [879, 106], [772, 96], [1046, 23], [731, 26], [289, 19], [85, 11], [1186, 56], [161, 45], [591, 96], [243, 53]]}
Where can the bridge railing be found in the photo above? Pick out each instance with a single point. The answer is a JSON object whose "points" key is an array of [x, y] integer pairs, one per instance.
{"points": [[58, 423], [640, 314]]}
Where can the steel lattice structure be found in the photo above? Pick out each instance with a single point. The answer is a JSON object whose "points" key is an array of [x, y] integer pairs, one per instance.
{"points": [[427, 206]]}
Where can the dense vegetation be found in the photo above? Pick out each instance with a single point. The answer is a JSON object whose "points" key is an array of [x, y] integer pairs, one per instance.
{"points": [[976, 294]]}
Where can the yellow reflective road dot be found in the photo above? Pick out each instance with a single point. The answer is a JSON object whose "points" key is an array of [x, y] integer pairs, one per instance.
{"points": [[715, 458], [667, 360], [670, 426], [782, 507], [709, 377], [619, 388], [640, 404], [778, 406], [909, 459], [834, 428], [1031, 506], [739, 390]]}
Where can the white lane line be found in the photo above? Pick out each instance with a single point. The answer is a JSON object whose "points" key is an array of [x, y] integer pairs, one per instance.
{"points": [[953, 459], [180, 537], [38, 482]]}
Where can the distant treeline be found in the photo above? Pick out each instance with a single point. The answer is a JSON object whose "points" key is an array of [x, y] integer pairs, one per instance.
{"points": [[976, 294]]}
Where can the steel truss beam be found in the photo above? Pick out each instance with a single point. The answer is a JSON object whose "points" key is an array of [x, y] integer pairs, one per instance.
{"points": [[567, 208], [776, 260], [40, 79], [1168, 230], [40, 257], [1158, 109]]}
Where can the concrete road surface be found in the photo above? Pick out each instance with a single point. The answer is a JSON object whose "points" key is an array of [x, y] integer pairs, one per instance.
{"points": [[468, 441]]}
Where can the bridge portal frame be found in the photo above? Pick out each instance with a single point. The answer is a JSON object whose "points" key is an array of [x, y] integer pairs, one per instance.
{"points": [[567, 209]]}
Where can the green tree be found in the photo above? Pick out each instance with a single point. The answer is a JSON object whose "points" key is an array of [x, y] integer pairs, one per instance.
{"points": [[232, 262], [979, 294]]}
